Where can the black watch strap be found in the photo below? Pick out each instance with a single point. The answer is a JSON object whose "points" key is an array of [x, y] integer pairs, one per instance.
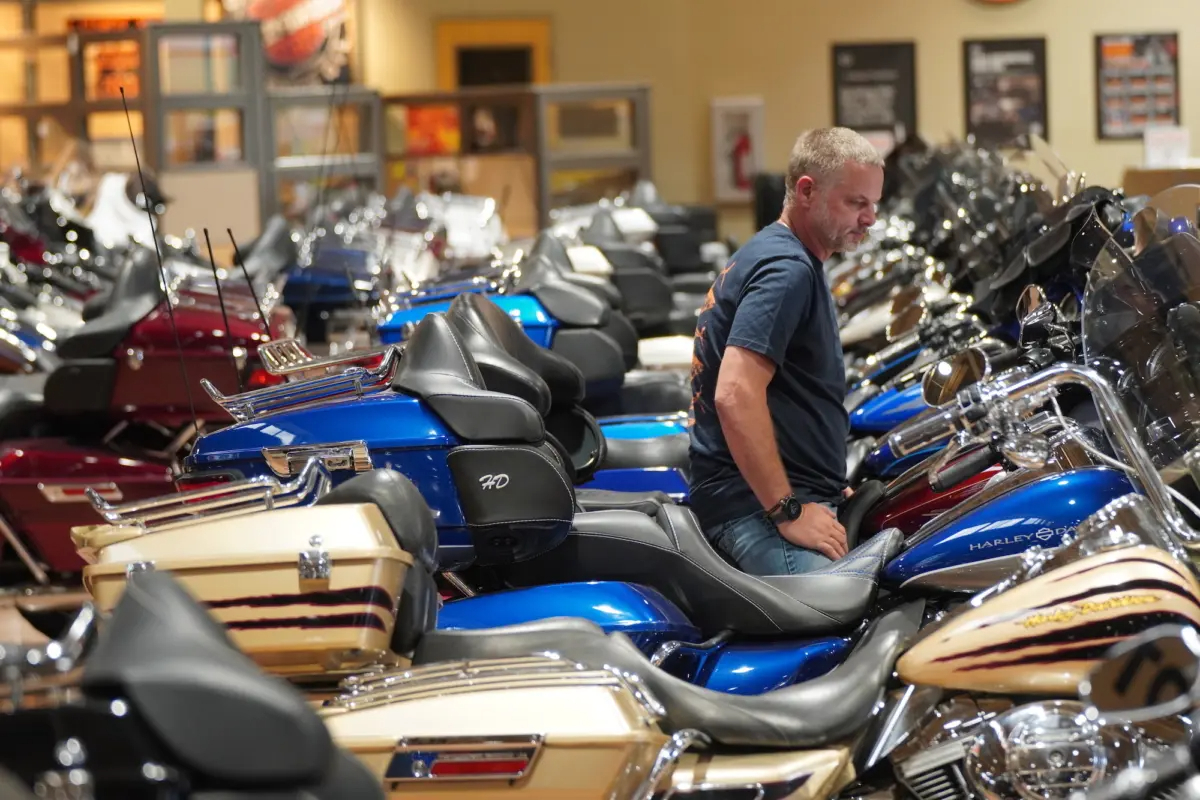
{"points": [[788, 508]]}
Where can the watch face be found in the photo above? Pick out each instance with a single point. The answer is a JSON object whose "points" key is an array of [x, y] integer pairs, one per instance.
{"points": [[792, 508]]}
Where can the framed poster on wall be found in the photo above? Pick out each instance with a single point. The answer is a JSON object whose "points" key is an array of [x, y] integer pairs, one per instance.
{"points": [[1137, 83], [1005, 82], [737, 147], [874, 90]]}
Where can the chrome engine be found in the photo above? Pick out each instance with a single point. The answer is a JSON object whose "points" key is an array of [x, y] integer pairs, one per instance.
{"points": [[991, 749]]}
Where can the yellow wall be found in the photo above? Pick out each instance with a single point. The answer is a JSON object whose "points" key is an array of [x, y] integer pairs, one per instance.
{"points": [[689, 51]]}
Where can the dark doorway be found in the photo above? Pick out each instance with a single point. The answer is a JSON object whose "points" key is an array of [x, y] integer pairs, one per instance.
{"points": [[494, 66]]}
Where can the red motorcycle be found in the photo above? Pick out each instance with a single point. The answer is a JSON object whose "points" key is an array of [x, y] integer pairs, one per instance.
{"points": [[117, 413]]}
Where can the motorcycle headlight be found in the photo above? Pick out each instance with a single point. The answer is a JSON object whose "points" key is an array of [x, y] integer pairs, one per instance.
{"points": [[1046, 751]]}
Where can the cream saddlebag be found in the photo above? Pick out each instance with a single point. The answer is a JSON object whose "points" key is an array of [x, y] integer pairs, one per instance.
{"points": [[305, 591]]}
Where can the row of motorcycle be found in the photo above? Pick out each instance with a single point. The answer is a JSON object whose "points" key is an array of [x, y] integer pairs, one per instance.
{"points": [[458, 559]]}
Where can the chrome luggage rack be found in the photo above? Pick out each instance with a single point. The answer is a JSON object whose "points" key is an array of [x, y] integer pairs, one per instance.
{"points": [[217, 502], [290, 359], [353, 381]]}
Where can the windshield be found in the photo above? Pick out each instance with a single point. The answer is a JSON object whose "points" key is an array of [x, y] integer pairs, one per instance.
{"points": [[1141, 320]]}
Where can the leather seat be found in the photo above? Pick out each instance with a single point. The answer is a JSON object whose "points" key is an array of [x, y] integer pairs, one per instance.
{"points": [[496, 340], [210, 705], [569, 304], [819, 711], [654, 392], [854, 511], [670, 553], [412, 523], [437, 369], [648, 503], [137, 292], [661, 451]]}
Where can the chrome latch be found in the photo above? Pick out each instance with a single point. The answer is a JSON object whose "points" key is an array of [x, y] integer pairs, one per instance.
{"points": [[314, 564], [288, 461]]}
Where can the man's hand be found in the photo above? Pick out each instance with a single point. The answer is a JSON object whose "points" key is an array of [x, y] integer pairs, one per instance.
{"points": [[816, 529]]}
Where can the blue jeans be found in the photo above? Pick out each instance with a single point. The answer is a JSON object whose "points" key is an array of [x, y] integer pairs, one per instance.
{"points": [[756, 547]]}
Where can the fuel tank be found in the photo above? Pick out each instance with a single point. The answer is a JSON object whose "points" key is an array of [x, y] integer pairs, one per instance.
{"points": [[914, 503], [1044, 635], [644, 426], [42, 484], [979, 542], [525, 309], [886, 410]]}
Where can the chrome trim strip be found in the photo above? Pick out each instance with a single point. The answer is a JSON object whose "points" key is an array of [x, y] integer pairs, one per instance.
{"points": [[77, 492], [288, 461]]}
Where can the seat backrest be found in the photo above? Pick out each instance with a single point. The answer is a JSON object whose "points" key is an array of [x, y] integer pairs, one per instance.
{"points": [[602, 230], [206, 702], [413, 525], [136, 293], [571, 305], [438, 368], [484, 327]]}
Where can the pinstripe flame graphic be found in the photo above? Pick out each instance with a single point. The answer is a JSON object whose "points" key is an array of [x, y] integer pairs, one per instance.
{"points": [[1042, 636]]}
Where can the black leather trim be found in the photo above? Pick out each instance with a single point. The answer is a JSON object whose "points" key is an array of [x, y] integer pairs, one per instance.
{"points": [[517, 500], [207, 702], [816, 712], [671, 554], [484, 324], [437, 369], [500, 370], [661, 451], [136, 293], [580, 437], [648, 503], [348, 779], [81, 386]]}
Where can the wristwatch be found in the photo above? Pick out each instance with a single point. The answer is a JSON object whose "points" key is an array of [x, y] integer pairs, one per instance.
{"points": [[785, 510]]}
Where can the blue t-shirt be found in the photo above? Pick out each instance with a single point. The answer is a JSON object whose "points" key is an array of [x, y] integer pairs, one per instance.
{"points": [[772, 298]]}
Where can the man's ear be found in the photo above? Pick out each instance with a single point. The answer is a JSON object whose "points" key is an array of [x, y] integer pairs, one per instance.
{"points": [[804, 189]]}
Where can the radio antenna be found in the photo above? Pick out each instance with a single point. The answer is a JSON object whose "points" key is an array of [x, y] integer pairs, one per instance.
{"points": [[212, 262], [162, 270], [237, 258], [314, 217]]}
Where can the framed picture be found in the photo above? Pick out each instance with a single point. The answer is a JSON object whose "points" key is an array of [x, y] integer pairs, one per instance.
{"points": [[874, 90], [1005, 82], [737, 147], [1137, 83]]}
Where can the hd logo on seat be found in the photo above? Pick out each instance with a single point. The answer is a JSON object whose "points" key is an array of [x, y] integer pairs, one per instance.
{"points": [[497, 481]]}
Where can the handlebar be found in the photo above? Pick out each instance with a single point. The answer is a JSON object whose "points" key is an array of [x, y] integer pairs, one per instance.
{"points": [[966, 467], [925, 433]]}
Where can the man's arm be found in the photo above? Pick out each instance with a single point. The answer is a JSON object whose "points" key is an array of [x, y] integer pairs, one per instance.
{"points": [[741, 403]]}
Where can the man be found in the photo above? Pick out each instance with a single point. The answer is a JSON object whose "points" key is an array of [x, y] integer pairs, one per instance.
{"points": [[768, 444]]}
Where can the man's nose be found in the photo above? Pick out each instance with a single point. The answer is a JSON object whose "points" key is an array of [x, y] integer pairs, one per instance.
{"points": [[868, 218]]}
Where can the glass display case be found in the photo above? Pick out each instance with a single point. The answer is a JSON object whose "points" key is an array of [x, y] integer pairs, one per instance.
{"points": [[533, 148]]}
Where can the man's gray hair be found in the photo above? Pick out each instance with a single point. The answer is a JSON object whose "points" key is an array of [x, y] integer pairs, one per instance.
{"points": [[821, 152]]}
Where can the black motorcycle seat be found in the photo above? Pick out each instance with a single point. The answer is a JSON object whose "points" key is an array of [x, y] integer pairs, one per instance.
{"points": [[209, 704], [655, 392], [396, 498], [437, 369], [670, 553], [484, 324], [136, 293], [272, 251], [815, 712], [602, 230], [500, 370], [542, 275], [662, 451], [598, 285], [648, 503]]}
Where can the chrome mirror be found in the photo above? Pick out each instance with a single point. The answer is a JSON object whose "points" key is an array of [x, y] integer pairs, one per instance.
{"points": [[1149, 676], [907, 296], [1033, 309], [945, 378], [1068, 307], [907, 321]]}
